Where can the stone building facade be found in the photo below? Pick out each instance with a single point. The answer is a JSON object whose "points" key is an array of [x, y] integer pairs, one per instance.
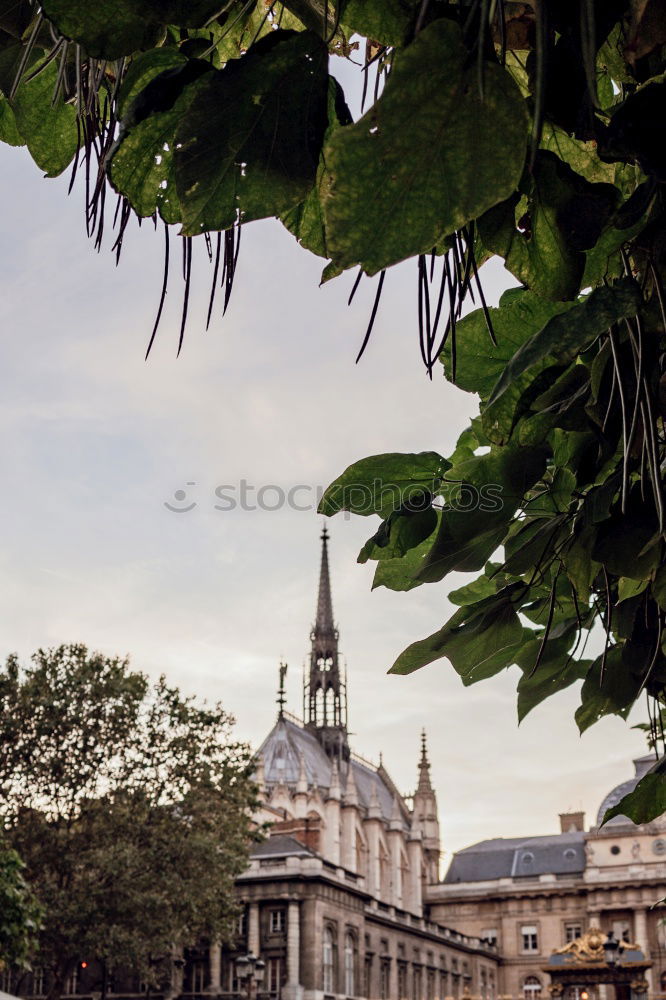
{"points": [[344, 898], [334, 899], [532, 895]]}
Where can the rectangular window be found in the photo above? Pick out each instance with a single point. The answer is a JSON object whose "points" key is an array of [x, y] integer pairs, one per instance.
{"points": [[402, 982], [489, 935], [529, 937], [198, 977], [274, 977], [367, 976], [384, 980], [572, 932], [621, 930], [416, 984], [277, 921]]}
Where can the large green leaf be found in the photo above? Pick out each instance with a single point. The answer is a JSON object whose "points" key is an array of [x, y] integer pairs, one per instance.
{"points": [[142, 163], [385, 21], [555, 670], [542, 235], [306, 221], [479, 362], [609, 689], [486, 492], [108, 29], [401, 573], [647, 801], [49, 129], [9, 132], [250, 143], [407, 161], [141, 72], [400, 532], [479, 640], [564, 336], [381, 484]]}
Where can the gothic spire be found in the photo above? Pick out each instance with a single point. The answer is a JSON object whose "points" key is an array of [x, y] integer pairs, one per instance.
{"points": [[324, 633], [424, 766], [325, 703]]}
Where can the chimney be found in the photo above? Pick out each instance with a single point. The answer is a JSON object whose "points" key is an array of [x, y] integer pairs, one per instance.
{"points": [[572, 822]]}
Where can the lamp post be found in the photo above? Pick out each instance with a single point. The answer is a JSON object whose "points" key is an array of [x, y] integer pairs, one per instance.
{"points": [[250, 972]]}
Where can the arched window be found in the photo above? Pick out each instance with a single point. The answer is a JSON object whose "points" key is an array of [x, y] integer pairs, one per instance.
{"points": [[328, 960], [350, 948], [531, 988]]}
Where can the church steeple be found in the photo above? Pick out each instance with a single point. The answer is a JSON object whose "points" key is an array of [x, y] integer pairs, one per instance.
{"points": [[424, 784], [424, 816], [324, 696]]}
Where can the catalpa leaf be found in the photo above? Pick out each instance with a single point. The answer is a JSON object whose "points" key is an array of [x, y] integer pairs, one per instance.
{"points": [[141, 165], [479, 362], [381, 484], [250, 143], [479, 640], [612, 691], [399, 533], [49, 129], [407, 161], [647, 801], [401, 573], [564, 336], [109, 29], [485, 493]]}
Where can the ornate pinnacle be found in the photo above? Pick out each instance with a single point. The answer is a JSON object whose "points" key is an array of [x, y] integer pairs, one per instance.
{"points": [[424, 766], [281, 698], [324, 626]]}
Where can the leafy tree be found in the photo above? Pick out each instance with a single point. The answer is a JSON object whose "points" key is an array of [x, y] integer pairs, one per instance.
{"points": [[532, 131], [20, 913], [129, 804]]}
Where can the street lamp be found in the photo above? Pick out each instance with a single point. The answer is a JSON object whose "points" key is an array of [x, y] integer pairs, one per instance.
{"points": [[611, 947], [250, 971]]}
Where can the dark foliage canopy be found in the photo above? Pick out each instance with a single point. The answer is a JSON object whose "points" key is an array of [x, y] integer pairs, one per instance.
{"points": [[129, 805], [532, 131]]}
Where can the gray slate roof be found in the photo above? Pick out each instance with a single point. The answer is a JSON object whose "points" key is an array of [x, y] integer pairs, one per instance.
{"points": [[282, 749], [519, 857], [280, 845]]}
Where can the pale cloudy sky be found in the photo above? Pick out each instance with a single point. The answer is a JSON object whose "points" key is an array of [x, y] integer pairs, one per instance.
{"points": [[95, 441]]}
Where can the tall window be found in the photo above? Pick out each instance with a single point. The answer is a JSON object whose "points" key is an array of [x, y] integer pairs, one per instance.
{"points": [[384, 979], [529, 937], [417, 987], [572, 932], [531, 988], [621, 930], [274, 977], [367, 976], [277, 921], [329, 960], [196, 979], [402, 981], [350, 985], [489, 935], [38, 980]]}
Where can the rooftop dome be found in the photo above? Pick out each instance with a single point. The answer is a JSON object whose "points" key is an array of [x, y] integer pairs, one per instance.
{"points": [[642, 765]]}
